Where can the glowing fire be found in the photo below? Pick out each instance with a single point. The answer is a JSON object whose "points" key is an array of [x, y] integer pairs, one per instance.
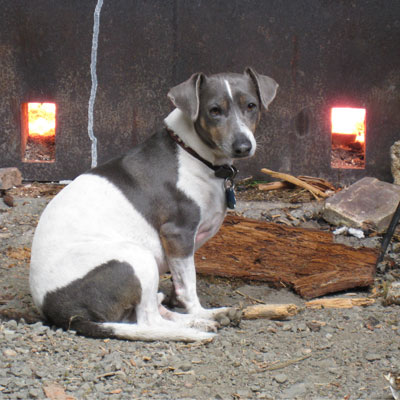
{"points": [[42, 119], [349, 121]]}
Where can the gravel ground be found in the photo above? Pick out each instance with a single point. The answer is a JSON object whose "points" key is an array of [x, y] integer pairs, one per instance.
{"points": [[317, 354]]}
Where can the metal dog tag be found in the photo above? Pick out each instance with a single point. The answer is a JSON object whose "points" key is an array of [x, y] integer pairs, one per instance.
{"points": [[230, 194]]}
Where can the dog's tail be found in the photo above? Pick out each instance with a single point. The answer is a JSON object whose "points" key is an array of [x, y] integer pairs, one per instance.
{"points": [[152, 333], [129, 331]]}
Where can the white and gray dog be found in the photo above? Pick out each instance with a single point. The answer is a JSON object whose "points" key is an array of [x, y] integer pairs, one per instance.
{"points": [[103, 241]]}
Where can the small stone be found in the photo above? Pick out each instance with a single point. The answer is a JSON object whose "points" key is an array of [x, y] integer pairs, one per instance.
{"points": [[10, 177], [297, 389], [281, 378], [8, 334], [393, 294], [301, 327], [12, 324], [372, 356], [185, 367], [9, 353], [244, 393], [287, 327], [314, 326], [38, 327], [34, 393], [41, 373]]}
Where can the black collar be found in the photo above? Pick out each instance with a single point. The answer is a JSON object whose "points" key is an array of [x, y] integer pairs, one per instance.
{"points": [[227, 172]]}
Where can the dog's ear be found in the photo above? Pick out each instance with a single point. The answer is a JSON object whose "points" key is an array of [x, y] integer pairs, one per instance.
{"points": [[186, 95], [266, 86]]}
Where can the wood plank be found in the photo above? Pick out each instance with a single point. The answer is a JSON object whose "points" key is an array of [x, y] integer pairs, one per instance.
{"points": [[307, 260]]}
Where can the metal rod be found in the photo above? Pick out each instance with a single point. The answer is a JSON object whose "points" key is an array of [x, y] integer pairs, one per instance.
{"points": [[389, 234]]}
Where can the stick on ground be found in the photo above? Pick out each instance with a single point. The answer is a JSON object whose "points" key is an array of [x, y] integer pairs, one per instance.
{"points": [[290, 178]]}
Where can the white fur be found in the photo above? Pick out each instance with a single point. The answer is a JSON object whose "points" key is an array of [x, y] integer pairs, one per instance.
{"points": [[228, 88], [248, 133]]}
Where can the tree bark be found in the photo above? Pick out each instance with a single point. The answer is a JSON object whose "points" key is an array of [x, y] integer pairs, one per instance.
{"points": [[306, 260]]}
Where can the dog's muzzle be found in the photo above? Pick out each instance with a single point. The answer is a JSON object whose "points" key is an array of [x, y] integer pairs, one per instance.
{"points": [[241, 147]]}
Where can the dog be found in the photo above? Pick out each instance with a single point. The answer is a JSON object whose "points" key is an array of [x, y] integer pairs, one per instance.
{"points": [[102, 242]]}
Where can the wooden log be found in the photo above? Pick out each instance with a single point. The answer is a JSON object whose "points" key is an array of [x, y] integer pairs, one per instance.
{"points": [[307, 260], [340, 302], [270, 311]]}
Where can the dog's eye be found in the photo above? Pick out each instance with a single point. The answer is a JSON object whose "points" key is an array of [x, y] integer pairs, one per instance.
{"points": [[215, 111], [251, 106]]}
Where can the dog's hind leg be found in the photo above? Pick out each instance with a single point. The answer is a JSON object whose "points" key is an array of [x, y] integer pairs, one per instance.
{"points": [[150, 323], [98, 304]]}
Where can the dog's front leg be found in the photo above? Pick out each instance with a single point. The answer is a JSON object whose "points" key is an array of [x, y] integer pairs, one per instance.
{"points": [[184, 277], [178, 244]]}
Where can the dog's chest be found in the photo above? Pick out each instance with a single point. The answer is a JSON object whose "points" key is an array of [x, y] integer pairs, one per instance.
{"points": [[199, 183]]}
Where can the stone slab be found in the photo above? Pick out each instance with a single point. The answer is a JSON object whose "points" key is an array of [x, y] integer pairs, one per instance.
{"points": [[10, 177], [367, 204]]}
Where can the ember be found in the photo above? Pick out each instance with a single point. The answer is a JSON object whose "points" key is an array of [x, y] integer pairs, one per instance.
{"points": [[42, 119], [348, 137], [39, 130]]}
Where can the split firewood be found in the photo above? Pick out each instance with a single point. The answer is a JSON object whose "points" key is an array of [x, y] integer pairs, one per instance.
{"points": [[317, 193], [340, 302], [270, 311]]}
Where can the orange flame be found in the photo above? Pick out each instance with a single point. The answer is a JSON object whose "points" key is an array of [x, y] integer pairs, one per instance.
{"points": [[349, 121], [42, 119]]}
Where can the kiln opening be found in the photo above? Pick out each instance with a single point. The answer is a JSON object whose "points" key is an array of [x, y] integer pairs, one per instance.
{"points": [[348, 137], [38, 130]]}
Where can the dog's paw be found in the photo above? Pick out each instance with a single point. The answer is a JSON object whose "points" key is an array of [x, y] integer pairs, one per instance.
{"points": [[229, 317], [206, 325], [224, 316]]}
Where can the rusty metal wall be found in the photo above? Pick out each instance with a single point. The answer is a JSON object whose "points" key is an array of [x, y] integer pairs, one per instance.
{"points": [[323, 53]]}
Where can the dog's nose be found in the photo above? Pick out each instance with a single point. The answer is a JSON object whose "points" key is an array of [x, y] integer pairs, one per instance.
{"points": [[241, 147]]}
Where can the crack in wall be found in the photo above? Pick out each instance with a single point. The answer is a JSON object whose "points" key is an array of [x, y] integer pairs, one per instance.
{"points": [[93, 74]]}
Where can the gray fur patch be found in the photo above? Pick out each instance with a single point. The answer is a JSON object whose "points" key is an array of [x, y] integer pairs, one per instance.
{"points": [[108, 293]]}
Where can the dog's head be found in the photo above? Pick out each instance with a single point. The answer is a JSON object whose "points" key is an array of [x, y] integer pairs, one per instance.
{"points": [[225, 109]]}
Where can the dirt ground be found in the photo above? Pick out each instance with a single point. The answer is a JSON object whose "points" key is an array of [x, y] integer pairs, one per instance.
{"points": [[317, 354]]}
